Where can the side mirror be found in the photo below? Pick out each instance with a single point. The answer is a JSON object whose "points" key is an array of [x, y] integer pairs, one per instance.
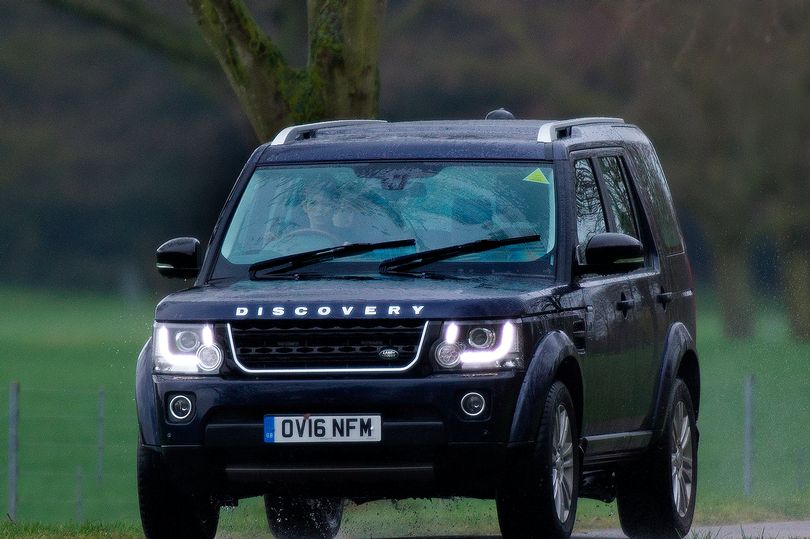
{"points": [[179, 258], [612, 253]]}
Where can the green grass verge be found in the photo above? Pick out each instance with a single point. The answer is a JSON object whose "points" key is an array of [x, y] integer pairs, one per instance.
{"points": [[781, 477], [89, 530], [63, 348]]}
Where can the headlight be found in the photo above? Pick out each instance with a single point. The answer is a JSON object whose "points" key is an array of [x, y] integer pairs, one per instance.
{"points": [[186, 349], [479, 346]]}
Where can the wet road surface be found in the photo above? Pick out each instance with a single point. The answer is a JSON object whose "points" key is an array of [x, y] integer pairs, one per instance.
{"points": [[766, 530], [782, 530]]}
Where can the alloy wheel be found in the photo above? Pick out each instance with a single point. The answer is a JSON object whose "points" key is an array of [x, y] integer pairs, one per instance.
{"points": [[682, 471], [562, 463]]}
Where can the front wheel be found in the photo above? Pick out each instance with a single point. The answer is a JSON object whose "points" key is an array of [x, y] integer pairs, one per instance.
{"points": [[167, 512], [303, 518], [656, 497], [540, 498]]}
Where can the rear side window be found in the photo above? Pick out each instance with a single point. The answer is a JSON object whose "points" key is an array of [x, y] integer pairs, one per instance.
{"points": [[617, 195], [653, 186], [590, 214]]}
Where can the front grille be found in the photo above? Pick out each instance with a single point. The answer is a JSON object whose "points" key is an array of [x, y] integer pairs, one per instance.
{"points": [[321, 345]]}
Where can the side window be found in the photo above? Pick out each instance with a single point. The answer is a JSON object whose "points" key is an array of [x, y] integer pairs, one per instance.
{"points": [[617, 195], [590, 214], [653, 186]]}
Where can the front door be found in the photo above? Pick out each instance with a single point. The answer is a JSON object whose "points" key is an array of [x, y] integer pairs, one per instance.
{"points": [[611, 321]]}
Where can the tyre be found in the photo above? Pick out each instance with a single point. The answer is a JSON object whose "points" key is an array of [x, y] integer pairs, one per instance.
{"points": [[303, 518], [656, 498], [166, 511], [539, 500]]}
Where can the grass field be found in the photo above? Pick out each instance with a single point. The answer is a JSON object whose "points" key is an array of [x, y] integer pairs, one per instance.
{"points": [[64, 348]]}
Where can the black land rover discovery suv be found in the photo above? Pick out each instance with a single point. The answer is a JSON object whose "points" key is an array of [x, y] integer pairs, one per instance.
{"points": [[496, 309]]}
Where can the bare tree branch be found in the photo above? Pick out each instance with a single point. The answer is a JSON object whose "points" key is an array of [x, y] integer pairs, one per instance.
{"points": [[134, 21], [341, 80], [264, 84]]}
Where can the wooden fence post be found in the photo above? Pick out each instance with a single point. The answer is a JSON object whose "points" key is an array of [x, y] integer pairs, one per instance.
{"points": [[748, 442], [13, 447], [100, 464]]}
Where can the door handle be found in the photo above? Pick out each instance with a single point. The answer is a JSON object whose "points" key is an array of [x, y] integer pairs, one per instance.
{"points": [[625, 304], [664, 298]]}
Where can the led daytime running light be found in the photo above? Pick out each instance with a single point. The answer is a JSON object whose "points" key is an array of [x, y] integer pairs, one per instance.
{"points": [[207, 335], [451, 334]]}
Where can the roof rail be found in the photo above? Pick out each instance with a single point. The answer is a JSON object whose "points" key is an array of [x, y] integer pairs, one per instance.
{"points": [[294, 132], [551, 131]]}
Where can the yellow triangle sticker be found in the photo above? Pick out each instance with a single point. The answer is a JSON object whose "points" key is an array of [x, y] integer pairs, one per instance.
{"points": [[537, 177]]}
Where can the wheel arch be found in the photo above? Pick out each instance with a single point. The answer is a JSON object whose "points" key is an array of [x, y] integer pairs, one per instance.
{"points": [[570, 374], [679, 360], [689, 372], [145, 400], [554, 359]]}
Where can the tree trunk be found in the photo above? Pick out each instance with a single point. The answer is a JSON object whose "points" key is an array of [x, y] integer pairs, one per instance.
{"points": [[733, 286], [341, 80], [344, 43], [258, 74], [796, 289]]}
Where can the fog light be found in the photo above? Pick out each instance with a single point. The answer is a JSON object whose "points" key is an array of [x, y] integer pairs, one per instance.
{"points": [[209, 357], [473, 404], [180, 407]]}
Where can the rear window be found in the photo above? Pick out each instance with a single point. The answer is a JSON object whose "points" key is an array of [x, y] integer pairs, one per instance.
{"points": [[653, 186]]}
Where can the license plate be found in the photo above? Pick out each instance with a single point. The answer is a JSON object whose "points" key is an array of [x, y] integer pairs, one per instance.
{"points": [[322, 428]]}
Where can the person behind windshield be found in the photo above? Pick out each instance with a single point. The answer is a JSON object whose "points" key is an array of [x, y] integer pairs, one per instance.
{"points": [[319, 204], [315, 229], [347, 216], [331, 211]]}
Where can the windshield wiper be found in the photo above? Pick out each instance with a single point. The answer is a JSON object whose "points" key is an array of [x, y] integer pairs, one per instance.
{"points": [[283, 264], [314, 277], [424, 275], [402, 264]]}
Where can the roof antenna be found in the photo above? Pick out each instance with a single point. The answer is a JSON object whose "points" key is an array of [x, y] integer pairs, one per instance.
{"points": [[499, 114]]}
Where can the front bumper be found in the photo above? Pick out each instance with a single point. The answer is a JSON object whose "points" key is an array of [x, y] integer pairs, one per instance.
{"points": [[428, 447]]}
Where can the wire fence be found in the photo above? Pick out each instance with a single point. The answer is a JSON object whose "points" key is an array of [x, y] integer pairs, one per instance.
{"points": [[70, 454]]}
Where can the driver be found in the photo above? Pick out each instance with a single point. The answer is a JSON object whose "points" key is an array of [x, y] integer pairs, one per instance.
{"points": [[322, 206], [323, 223], [320, 209]]}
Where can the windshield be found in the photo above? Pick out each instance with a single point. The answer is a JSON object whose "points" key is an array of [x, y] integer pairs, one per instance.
{"points": [[286, 210]]}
